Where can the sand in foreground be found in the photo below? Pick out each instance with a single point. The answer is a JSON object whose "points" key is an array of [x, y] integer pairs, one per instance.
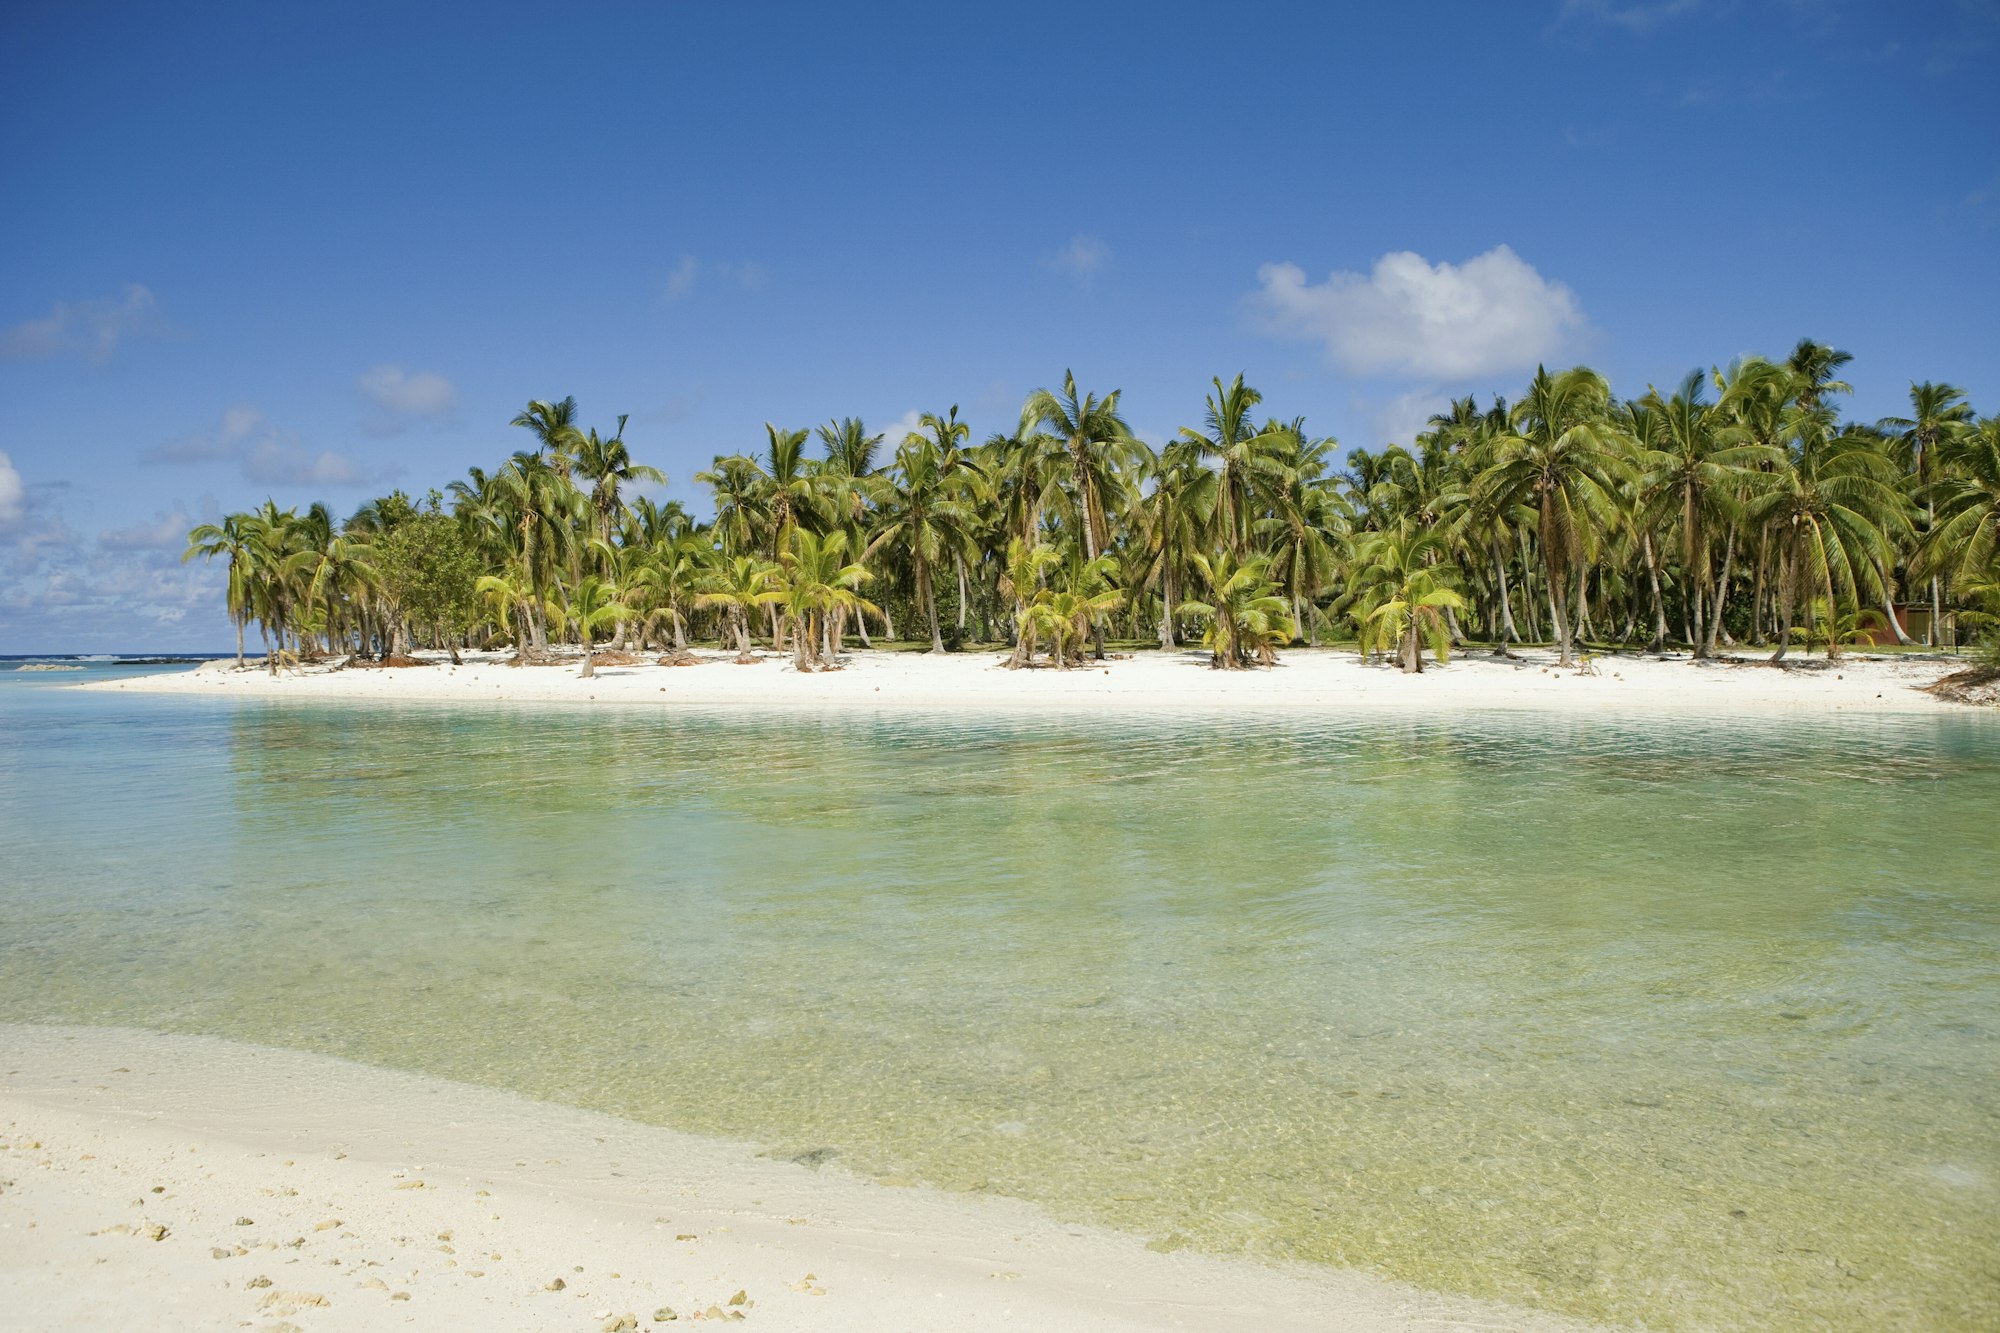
{"points": [[165, 1182], [971, 684]]}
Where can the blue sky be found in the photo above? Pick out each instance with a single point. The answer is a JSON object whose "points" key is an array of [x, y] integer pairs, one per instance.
{"points": [[317, 252]]}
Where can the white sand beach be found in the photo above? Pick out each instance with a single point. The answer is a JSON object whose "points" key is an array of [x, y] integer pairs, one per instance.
{"points": [[973, 683], [171, 1182]]}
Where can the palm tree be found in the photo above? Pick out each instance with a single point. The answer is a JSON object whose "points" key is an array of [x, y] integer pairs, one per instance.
{"points": [[1963, 540], [1563, 460], [815, 580], [608, 465], [1176, 515], [1242, 453], [233, 539], [1829, 507], [1697, 464], [1406, 587], [1097, 440], [593, 605], [554, 426], [1247, 618], [737, 584], [922, 514], [1937, 412]]}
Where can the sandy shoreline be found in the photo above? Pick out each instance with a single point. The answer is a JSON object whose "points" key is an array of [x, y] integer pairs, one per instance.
{"points": [[973, 683], [371, 1198]]}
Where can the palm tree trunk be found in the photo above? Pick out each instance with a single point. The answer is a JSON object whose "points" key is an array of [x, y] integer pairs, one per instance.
{"points": [[959, 560], [1889, 608], [239, 644], [1757, 597], [1720, 597], [1167, 607], [928, 596], [1659, 606], [1507, 633], [1784, 607]]}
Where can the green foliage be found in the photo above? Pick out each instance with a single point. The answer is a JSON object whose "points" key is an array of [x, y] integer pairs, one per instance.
{"points": [[429, 572]]}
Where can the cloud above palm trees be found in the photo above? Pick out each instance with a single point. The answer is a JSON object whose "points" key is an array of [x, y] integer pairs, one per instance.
{"points": [[1410, 318], [1083, 258]]}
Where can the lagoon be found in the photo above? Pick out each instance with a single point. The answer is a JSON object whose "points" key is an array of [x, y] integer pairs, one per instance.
{"points": [[1645, 1019]]}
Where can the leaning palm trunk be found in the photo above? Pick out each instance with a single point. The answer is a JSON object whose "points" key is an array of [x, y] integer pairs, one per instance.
{"points": [[1889, 608], [1507, 633], [1720, 598]]}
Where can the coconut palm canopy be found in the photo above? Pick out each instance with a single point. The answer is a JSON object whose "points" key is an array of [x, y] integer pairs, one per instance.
{"points": [[1735, 509]]}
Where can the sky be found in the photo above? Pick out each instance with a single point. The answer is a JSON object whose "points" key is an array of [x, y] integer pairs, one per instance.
{"points": [[320, 252]]}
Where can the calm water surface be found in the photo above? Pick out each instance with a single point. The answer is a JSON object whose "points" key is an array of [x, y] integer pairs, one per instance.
{"points": [[1686, 1023]]}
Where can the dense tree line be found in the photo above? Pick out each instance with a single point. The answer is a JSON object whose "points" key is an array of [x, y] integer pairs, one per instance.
{"points": [[1735, 508]]}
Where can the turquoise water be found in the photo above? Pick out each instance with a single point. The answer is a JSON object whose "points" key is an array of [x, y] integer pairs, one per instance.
{"points": [[1689, 1023]]}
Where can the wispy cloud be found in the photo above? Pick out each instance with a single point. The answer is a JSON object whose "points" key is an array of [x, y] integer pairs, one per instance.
{"points": [[689, 273], [89, 329], [228, 440], [282, 460], [402, 396], [1082, 259], [167, 530], [1639, 16], [423, 393], [266, 454], [1428, 321]]}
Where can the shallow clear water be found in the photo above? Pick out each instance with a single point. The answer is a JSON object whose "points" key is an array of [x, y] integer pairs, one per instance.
{"points": [[1686, 1023]]}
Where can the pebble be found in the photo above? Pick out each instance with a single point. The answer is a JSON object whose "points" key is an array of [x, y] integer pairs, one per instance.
{"points": [[622, 1323], [258, 1282], [327, 1225], [665, 1315], [555, 1284], [157, 1231], [740, 1298], [217, 1252], [244, 1222]]}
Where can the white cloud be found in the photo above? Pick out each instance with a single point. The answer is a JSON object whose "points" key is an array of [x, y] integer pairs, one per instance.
{"points": [[12, 493], [225, 442], [166, 531], [424, 393], [1408, 317], [681, 281], [1403, 417], [281, 460], [268, 455], [896, 431], [1083, 258], [747, 274], [90, 329]]}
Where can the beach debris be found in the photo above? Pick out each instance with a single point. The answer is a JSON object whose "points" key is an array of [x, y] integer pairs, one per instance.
{"points": [[259, 1281], [374, 1284], [217, 1252], [159, 1189], [245, 1222], [555, 1284], [408, 1185], [327, 1225], [293, 1301], [399, 1295], [621, 1323], [157, 1231], [665, 1315], [740, 1298]]}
